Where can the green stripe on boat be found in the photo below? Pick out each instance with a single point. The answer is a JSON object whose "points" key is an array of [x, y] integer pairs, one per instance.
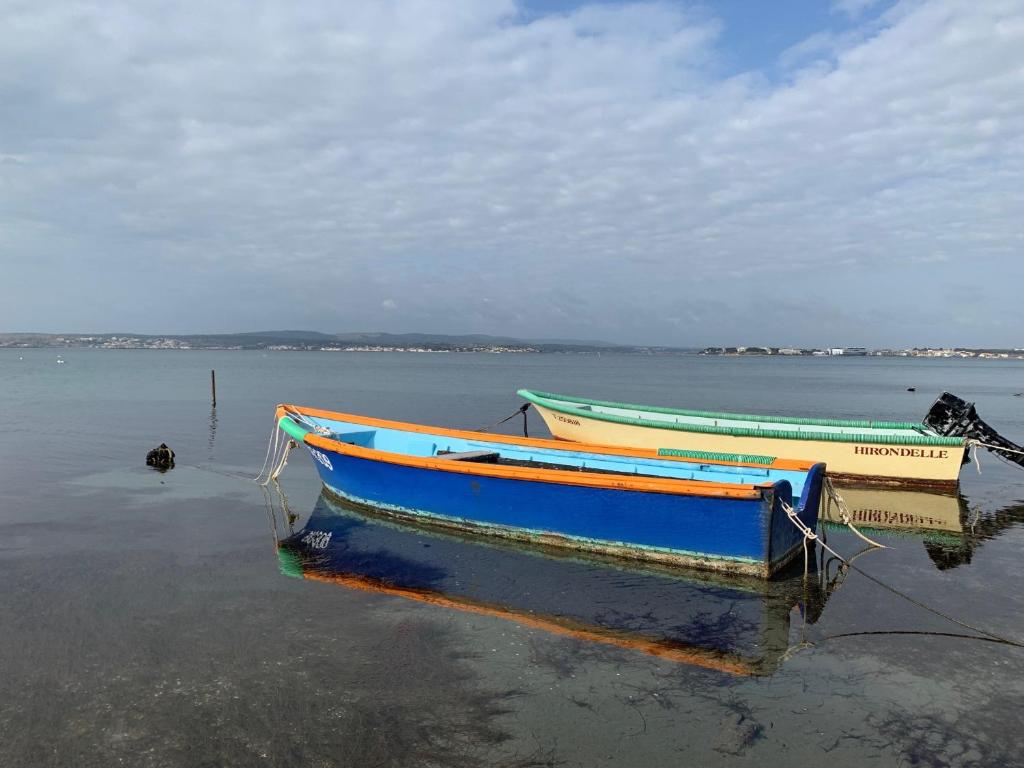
{"points": [[561, 403], [738, 458], [293, 429], [725, 415]]}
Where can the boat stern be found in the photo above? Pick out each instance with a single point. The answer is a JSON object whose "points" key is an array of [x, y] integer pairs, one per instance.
{"points": [[785, 536]]}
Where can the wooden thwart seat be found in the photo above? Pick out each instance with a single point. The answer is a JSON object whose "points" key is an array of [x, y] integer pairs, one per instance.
{"points": [[483, 457]]}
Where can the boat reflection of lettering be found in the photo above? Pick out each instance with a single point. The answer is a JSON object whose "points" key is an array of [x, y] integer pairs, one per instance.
{"points": [[737, 625], [922, 454], [725, 513], [949, 529], [898, 510]]}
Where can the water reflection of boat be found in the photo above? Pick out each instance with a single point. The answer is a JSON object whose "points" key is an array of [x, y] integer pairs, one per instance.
{"points": [[949, 529], [899, 510], [739, 626]]}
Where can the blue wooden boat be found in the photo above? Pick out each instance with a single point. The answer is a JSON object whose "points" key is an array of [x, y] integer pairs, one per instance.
{"points": [[685, 508], [736, 625]]}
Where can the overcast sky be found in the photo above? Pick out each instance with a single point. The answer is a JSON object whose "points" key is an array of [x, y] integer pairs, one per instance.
{"points": [[670, 172]]}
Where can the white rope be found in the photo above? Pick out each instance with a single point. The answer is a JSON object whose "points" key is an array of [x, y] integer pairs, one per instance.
{"points": [[844, 512], [276, 458], [301, 417], [275, 454], [277, 451], [282, 464], [271, 447], [996, 448]]}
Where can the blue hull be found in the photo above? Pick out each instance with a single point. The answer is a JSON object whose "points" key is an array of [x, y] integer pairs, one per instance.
{"points": [[750, 536]]}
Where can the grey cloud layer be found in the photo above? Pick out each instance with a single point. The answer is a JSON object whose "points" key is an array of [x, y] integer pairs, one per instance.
{"points": [[457, 166]]}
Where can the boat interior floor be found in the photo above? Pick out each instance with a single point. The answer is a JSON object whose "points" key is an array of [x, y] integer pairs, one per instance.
{"points": [[493, 457]]}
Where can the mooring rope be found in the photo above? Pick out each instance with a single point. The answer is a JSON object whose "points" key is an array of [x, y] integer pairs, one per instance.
{"points": [[810, 535], [998, 450], [520, 410], [844, 511], [994, 448], [233, 475], [274, 456], [277, 458], [279, 467], [841, 635], [271, 446]]}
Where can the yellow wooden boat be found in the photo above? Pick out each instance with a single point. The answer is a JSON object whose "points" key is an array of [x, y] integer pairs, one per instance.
{"points": [[879, 452]]}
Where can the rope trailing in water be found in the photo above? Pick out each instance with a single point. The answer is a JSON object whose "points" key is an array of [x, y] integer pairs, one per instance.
{"points": [[957, 635], [276, 459], [288, 446], [974, 455], [520, 410], [844, 511], [810, 535], [271, 448]]}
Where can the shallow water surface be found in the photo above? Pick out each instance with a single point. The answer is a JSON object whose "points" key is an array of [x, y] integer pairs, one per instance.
{"points": [[178, 618]]}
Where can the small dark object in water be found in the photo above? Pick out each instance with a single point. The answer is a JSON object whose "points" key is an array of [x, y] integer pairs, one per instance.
{"points": [[911, 389], [160, 457]]}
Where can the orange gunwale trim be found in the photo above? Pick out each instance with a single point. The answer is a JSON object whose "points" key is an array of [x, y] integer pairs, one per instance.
{"points": [[562, 477], [665, 649]]}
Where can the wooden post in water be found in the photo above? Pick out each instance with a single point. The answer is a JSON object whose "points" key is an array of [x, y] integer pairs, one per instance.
{"points": [[213, 386]]}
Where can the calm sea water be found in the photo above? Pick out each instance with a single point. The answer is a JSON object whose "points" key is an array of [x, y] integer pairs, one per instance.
{"points": [[149, 619]]}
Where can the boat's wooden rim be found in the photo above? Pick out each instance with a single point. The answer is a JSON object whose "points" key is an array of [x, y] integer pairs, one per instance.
{"points": [[563, 477], [796, 465]]}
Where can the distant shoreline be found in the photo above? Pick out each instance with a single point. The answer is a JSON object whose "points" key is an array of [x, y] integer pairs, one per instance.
{"points": [[298, 341], [308, 341]]}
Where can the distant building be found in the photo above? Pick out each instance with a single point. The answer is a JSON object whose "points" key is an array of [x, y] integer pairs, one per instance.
{"points": [[847, 351]]}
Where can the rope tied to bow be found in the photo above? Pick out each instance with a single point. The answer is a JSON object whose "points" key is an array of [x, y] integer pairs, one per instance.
{"points": [[522, 409], [276, 458]]}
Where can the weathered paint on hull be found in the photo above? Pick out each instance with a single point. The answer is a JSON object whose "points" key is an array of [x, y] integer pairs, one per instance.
{"points": [[877, 463], [743, 536]]}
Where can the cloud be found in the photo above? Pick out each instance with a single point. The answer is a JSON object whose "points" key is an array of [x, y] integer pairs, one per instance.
{"points": [[590, 172], [853, 8]]}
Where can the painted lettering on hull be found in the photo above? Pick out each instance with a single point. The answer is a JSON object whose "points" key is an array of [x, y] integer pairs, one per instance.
{"points": [[566, 419], [916, 453]]}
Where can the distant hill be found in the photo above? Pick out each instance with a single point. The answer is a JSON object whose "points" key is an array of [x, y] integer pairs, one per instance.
{"points": [[377, 337], [298, 339], [297, 335]]}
